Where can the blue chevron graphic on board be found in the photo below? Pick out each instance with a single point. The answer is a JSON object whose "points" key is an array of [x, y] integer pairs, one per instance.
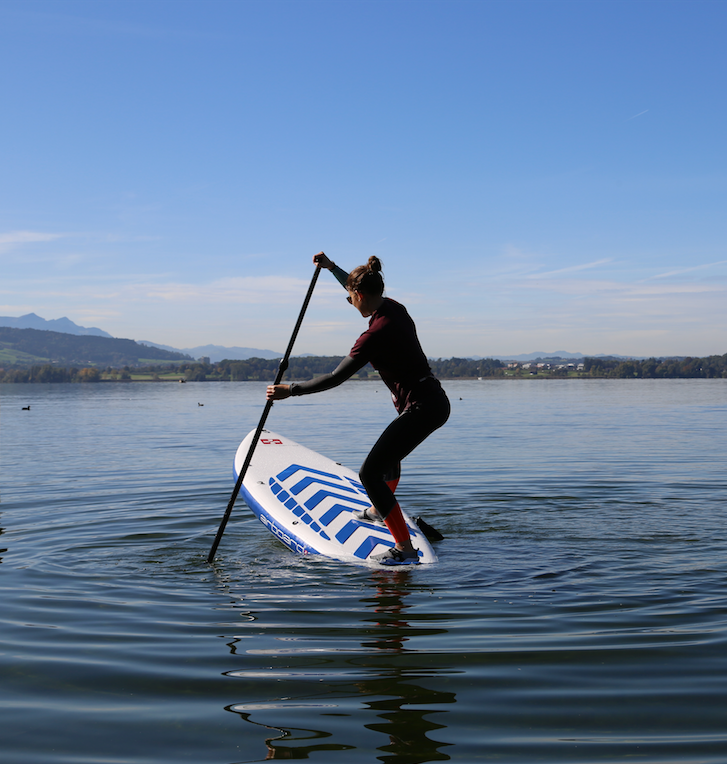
{"points": [[347, 496]]}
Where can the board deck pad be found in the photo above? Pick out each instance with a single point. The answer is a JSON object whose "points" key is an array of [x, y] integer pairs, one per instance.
{"points": [[308, 502]]}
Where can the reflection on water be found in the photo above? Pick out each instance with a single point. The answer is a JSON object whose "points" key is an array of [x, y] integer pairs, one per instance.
{"points": [[292, 734], [576, 615], [406, 727], [383, 678]]}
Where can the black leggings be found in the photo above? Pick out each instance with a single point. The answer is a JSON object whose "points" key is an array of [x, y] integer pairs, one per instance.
{"points": [[397, 441]]}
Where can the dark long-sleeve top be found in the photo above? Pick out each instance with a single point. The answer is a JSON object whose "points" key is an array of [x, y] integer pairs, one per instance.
{"points": [[391, 346]]}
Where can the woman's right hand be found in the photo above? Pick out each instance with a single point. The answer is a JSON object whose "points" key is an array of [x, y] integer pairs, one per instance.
{"points": [[322, 260], [278, 392]]}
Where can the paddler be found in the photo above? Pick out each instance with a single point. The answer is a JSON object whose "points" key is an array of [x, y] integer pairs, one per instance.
{"points": [[391, 346]]}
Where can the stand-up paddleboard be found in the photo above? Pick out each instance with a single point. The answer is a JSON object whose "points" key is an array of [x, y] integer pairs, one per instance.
{"points": [[308, 502]]}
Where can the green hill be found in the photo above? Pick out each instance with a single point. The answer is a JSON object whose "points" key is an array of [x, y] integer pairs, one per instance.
{"points": [[25, 347]]}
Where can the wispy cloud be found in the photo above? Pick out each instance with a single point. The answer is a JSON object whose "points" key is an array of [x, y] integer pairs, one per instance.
{"points": [[269, 290], [588, 288], [680, 271], [570, 269], [15, 238], [576, 307]]}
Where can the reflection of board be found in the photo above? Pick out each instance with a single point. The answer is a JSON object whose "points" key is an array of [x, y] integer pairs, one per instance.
{"points": [[309, 501]]}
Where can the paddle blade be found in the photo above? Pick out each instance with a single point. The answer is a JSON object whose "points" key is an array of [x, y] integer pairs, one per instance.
{"points": [[431, 534]]}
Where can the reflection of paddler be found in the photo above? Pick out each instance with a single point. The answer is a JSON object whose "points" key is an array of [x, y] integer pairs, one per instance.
{"points": [[388, 604], [391, 346], [387, 679], [406, 728], [277, 751]]}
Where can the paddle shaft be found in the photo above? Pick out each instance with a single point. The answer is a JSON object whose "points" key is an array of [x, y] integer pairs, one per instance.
{"points": [[268, 405]]}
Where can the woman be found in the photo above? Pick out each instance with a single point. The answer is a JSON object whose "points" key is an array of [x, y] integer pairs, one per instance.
{"points": [[391, 345]]}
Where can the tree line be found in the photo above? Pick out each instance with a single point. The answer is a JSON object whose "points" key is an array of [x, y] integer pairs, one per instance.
{"points": [[307, 367], [710, 367], [251, 369], [49, 373]]}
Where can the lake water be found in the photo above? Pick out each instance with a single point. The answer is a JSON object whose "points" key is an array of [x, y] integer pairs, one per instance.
{"points": [[578, 612]]}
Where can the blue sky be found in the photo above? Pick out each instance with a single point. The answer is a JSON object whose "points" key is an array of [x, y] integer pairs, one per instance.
{"points": [[533, 175]]}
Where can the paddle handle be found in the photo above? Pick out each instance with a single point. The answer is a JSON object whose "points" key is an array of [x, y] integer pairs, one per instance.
{"points": [[282, 367]]}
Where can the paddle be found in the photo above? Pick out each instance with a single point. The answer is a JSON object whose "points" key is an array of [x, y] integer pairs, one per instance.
{"points": [[431, 534], [268, 405]]}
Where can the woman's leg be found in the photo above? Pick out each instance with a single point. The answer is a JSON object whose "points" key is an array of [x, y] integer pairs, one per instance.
{"points": [[392, 477], [399, 439]]}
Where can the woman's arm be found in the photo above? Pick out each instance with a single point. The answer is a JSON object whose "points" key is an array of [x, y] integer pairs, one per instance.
{"points": [[325, 262], [340, 274], [345, 370]]}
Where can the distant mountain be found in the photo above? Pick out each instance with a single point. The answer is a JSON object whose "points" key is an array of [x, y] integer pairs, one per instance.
{"points": [[563, 354], [541, 354], [218, 353], [28, 347], [65, 325]]}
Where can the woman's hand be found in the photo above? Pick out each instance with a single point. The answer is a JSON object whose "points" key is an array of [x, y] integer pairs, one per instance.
{"points": [[278, 392], [322, 260]]}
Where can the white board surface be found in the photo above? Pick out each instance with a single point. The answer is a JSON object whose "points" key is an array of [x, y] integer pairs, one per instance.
{"points": [[308, 501]]}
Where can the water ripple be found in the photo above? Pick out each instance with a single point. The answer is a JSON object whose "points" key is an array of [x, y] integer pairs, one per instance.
{"points": [[577, 613]]}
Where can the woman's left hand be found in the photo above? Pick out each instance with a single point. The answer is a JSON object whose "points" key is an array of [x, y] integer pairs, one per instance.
{"points": [[323, 261], [278, 392]]}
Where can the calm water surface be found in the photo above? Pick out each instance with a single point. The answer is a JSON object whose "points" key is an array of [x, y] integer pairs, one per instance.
{"points": [[578, 612]]}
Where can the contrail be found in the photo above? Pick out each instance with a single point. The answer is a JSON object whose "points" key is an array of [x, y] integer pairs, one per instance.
{"points": [[637, 115]]}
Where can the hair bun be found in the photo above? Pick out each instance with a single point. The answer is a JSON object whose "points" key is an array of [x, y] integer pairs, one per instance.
{"points": [[367, 278], [374, 264]]}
